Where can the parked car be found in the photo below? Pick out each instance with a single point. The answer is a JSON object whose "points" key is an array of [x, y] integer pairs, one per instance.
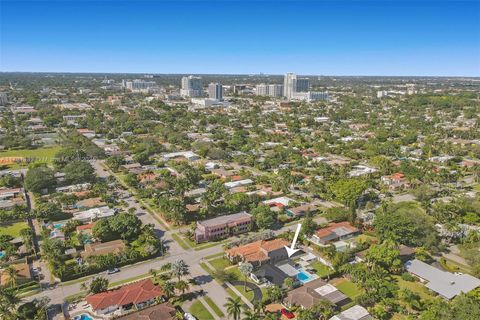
{"points": [[189, 316], [113, 270], [287, 313]]}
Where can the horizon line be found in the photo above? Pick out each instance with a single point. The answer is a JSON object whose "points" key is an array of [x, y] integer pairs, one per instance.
{"points": [[243, 74]]}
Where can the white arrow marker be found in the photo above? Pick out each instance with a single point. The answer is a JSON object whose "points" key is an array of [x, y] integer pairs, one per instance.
{"points": [[292, 249]]}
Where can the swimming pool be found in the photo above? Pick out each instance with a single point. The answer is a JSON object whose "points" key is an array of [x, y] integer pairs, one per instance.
{"points": [[57, 225], [83, 316], [304, 277], [2, 254]]}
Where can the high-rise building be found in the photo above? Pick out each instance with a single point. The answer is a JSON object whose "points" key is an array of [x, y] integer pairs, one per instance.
{"points": [[271, 90], [215, 91], [138, 84], [3, 98], [289, 85], [275, 90], [302, 85], [191, 87], [262, 89]]}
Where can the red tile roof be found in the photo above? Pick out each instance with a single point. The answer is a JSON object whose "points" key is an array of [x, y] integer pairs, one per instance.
{"points": [[137, 292], [332, 226], [256, 251]]}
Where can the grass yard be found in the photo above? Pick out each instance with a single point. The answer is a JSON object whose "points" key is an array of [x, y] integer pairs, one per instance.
{"points": [[214, 307], [201, 246], [247, 294], [347, 287], [45, 154], [180, 241], [220, 263], [415, 287], [200, 312], [13, 229], [320, 269]]}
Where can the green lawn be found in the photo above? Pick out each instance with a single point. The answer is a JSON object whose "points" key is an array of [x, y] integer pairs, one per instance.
{"points": [[45, 154], [200, 312], [201, 246], [220, 263], [214, 307], [415, 287], [13, 229], [246, 293], [348, 288], [320, 269], [180, 241]]}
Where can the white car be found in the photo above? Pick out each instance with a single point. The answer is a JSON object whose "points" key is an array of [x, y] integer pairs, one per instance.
{"points": [[189, 316]]}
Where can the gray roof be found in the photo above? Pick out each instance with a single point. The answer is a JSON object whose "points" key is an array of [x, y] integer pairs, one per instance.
{"points": [[225, 219], [354, 313], [272, 274], [444, 283]]}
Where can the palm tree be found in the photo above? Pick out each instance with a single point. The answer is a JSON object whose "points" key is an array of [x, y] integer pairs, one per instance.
{"points": [[250, 315], [12, 275], [182, 286], [168, 288], [258, 306], [179, 268], [8, 302], [245, 268], [234, 306]]}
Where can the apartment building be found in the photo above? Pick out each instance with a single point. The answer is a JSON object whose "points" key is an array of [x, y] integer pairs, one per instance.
{"points": [[223, 227]]}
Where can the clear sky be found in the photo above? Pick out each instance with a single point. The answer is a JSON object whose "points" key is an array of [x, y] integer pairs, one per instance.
{"points": [[307, 37]]}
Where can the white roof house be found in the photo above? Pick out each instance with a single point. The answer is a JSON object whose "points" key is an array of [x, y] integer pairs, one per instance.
{"points": [[93, 214], [282, 200], [354, 313], [361, 170], [446, 284], [239, 183], [189, 155]]}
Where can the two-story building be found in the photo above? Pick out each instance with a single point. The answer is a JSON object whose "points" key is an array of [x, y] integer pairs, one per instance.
{"points": [[223, 227], [259, 252]]}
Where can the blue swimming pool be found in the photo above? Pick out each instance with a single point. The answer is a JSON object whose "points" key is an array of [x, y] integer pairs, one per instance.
{"points": [[2, 254], [57, 225], [83, 316], [304, 277]]}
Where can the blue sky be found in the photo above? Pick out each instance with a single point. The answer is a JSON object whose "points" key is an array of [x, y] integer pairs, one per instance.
{"points": [[273, 37]]}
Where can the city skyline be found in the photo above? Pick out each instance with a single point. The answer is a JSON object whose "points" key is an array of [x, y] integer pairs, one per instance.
{"points": [[373, 38]]}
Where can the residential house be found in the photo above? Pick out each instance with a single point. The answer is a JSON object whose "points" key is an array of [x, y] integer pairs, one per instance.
{"points": [[137, 295], [86, 229], [22, 271], [302, 210], [100, 248], [277, 204], [395, 181], [162, 311], [238, 183], [223, 226], [93, 214], [313, 292], [259, 252], [446, 284], [334, 232], [354, 313]]}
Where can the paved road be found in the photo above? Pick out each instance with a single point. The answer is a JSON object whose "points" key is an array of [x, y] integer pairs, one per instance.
{"points": [[191, 257]]}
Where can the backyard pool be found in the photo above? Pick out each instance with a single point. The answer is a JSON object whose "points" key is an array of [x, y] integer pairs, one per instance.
{"points": [[57, 225], [83, 316], [2, 254], [304, 276]]}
